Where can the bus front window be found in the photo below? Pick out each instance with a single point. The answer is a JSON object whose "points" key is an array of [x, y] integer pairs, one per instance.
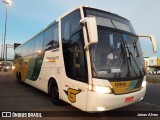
{"points": [[116, 55]]}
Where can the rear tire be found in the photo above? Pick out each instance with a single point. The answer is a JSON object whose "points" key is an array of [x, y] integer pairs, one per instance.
{"points": [[19, 78]]}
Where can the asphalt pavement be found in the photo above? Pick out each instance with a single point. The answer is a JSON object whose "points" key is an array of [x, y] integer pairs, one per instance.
{"points": [[15, 96]]}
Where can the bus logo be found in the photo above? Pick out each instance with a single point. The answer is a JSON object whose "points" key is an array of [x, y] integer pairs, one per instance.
{"points": [[71, 93]]}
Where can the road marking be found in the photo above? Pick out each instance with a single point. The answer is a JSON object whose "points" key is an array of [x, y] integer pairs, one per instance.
{"points": [[151, 104]]}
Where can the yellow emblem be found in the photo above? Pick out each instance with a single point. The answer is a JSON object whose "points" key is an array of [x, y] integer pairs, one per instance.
{"points": [[72, 94]]}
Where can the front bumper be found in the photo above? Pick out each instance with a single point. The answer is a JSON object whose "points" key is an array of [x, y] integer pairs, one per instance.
{"points": [[111, 101]]}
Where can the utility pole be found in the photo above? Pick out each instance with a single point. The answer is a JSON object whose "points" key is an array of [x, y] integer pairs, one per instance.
{"points": [[6, 54], [2, 49], [5, 35], [7, 2]]}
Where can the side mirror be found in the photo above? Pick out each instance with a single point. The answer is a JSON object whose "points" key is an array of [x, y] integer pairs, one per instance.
{"points": [[91, 27], [153, 40]]}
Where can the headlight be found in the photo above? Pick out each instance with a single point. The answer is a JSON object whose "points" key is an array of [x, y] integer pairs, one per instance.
{"points": [[13, 67], [100, 89], [100, 108], [144, 84]]}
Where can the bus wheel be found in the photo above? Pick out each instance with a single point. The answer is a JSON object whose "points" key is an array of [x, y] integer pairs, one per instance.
{"points": [[54, 94], [19, 77]]}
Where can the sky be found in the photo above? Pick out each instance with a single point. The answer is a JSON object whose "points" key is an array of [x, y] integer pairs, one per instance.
{"points": [[28, 17]]}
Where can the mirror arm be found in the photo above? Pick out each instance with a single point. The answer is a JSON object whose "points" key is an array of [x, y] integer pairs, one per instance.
{"points": [[153, 41], [83, 23], [91, 28], [144, 36], [86, 46]]}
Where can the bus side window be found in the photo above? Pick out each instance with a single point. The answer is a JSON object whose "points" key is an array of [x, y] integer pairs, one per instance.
{"points": [[73, 48], [51, 39], [38, 43]]}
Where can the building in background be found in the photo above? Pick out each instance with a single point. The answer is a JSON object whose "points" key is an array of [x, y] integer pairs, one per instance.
{"points": [[152, 65]]}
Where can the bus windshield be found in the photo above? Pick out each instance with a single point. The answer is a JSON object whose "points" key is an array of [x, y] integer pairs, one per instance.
{"points": [[117, 55]]}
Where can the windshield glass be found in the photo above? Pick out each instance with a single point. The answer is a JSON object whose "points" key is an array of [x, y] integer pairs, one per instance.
{"points": [[117, 55]]}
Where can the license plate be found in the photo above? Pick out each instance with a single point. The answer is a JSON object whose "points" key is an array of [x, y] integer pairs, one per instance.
{"points": [[129, 99]]}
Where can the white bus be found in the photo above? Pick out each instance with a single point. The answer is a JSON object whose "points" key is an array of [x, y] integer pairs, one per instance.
{"points": [[89, 58]]}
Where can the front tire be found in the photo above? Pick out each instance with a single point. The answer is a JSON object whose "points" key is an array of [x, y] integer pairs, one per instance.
{"points": [[54, 94]]}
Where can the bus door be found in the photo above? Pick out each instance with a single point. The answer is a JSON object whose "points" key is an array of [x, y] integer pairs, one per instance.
{"points": [[75, 78]]}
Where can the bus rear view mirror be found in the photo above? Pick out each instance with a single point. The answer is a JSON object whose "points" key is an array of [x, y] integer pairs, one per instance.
{"points": [[153, 42], [91, 27]]}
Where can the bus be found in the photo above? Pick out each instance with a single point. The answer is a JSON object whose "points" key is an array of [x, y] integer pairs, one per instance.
{"points": [[89, 58]]}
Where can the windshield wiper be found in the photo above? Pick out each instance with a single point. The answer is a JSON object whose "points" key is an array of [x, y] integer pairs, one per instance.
{"points": [[130, 54], [137, 65], [125, 53], [135, 47]]}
